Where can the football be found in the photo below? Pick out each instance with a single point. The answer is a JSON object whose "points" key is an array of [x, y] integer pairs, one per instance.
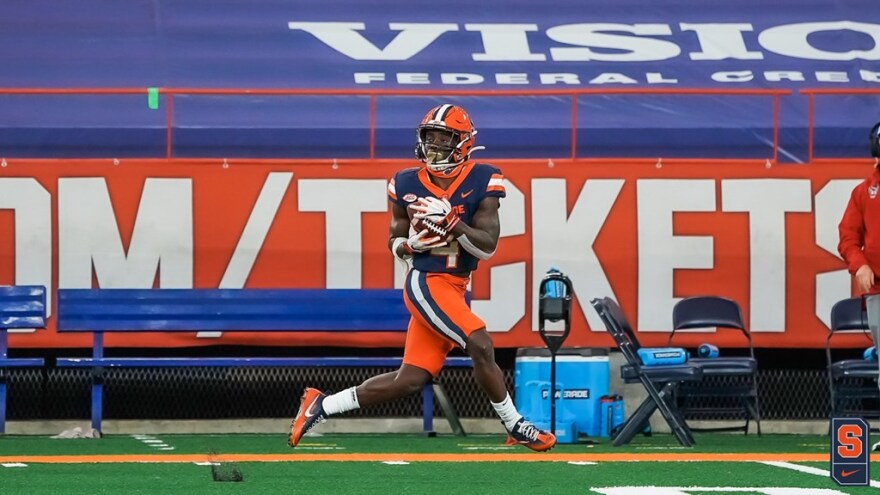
{"points": [[420, 224]]}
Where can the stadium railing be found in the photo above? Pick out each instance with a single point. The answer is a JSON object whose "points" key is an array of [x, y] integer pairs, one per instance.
{"points": [[22, 306], [239, 310], [575, 123]]}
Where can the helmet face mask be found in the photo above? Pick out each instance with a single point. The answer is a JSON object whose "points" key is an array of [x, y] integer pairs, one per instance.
{"points": [[439, 146], [445, 140]]}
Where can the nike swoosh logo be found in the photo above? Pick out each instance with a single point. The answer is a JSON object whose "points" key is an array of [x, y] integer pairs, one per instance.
{"points": [[844, 474], [309, 412], [466, 194]]}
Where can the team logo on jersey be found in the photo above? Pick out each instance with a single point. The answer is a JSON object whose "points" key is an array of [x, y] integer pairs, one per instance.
{"points": [[872, 191], [849, 452], [410, 197]]}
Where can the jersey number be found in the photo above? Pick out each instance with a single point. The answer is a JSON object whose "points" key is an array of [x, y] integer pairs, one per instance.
{"points": [[451, 253]]}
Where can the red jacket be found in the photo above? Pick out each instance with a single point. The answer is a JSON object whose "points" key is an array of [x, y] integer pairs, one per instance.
{"points": [[860, 228]]}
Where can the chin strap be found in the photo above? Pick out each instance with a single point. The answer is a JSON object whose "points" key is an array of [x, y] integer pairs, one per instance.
{"points": [[453, 170]]}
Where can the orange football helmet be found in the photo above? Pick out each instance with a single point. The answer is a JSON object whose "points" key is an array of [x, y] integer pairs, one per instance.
{"points": [[444, 159]]}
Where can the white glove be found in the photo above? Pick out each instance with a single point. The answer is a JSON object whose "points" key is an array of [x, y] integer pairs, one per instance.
{"points": [[423, 241], [436, 211]]}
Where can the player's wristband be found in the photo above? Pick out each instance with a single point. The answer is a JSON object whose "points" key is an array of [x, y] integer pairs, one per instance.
{"points": [[396, 244]]}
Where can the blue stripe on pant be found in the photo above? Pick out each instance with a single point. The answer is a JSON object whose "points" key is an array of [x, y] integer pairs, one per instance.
{"points": [[419, 294]]}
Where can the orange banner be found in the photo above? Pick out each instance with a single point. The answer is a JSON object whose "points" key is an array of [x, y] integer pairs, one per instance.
{"points": [[644, 234]]}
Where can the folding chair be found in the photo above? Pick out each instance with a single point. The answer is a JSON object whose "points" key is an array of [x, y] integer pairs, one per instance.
{"points": [[659, 381], [851, 382], [726, 379]]}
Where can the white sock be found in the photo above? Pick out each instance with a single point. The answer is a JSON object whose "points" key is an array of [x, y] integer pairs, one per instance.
{"points": [[507, 411], [347, 400]]}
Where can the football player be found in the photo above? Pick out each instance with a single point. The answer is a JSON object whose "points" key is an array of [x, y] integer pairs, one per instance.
{"points": [[444, 221]]}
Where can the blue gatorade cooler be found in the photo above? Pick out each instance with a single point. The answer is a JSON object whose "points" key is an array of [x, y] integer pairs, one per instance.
{"points": [[581, 378]]}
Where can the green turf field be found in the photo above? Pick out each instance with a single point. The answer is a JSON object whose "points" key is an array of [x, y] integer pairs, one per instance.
{"points": [[390, 464]]}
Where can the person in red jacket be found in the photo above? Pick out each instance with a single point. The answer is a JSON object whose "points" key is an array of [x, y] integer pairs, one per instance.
{"points": [[860, 226], [860, 238]]}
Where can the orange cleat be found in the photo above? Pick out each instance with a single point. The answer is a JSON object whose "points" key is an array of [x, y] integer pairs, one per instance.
{"points": [[310, 413], [529, 435]]}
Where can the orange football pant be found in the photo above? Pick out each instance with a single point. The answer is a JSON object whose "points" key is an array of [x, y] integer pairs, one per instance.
{"points": [[441, 318]]}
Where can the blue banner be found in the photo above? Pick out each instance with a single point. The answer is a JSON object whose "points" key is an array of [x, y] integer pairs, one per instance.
{"points": [[452, 44]]}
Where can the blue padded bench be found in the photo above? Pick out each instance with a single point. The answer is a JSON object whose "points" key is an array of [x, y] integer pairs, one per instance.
{"points": [[22, 306], [238, 310]]}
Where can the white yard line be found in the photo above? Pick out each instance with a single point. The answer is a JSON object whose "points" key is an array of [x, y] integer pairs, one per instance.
{"points": [[808, 470], [490, 447], [153, 442], [688, 490]]}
